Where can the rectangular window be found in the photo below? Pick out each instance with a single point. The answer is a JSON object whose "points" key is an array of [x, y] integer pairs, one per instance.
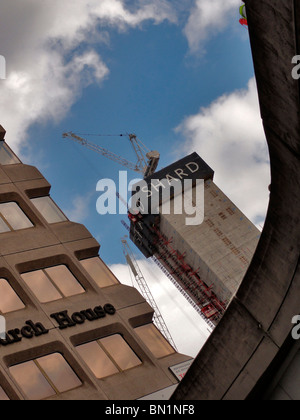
{"points": [[99, 272], [120, 352], [108, 356], [223, 216], [3, 395], [13, 218], [9, 300], [97, 360], [154, 340], [52, 283], [6, 155], [218, 232], [49, 210], [3, 226], [230, 211], [45, 377], [209, 222]]}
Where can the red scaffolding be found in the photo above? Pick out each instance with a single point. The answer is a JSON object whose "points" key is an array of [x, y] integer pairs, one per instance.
{"points": [[203, 295]]}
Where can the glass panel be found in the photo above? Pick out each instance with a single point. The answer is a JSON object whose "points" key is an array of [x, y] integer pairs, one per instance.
{"points": [[99, 272], [41, 286], [122, 354], [154, 340], [6, 156], [31, 380], [49, 209], [97, 360], [15, 216], [9, 300], [64, 280], [3, 395], [59, 372], [3, 226]]}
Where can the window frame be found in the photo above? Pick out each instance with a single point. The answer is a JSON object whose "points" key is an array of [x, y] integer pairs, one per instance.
{"points": [[107, 354], [4, 394], [16, 160], [53, 283], [8, 224], [113, 279], [16, 294], [53, 205], [46, 375], [158, 335]]}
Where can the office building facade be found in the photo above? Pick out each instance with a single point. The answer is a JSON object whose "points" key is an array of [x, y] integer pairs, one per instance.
{"points": [[72, 330]]}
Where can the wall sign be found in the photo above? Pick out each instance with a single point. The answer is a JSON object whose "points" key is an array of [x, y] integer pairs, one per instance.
{"points": [[181, 369], [63, 319]]}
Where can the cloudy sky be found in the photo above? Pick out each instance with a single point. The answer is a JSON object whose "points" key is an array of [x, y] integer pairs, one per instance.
{"points": [[176, 73]]}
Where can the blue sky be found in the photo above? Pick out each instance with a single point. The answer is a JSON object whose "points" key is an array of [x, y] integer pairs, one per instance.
{"points": [[153, 84], [177, 74]]}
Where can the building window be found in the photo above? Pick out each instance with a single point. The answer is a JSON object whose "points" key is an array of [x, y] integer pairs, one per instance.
{"points": [[99, 272], [3, 395], [154, 340], [52, 283], [49, 210], [45, 377], [223, 216], [12, 218], [108, 356], [9, 300], [230, 211], [6, 155]]}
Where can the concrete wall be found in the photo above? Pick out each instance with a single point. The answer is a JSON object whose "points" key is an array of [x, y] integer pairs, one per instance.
{"points": [[221, 247], [252, 341]]}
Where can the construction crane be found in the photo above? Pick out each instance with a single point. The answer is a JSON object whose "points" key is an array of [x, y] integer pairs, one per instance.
{"points": [[145, 291], [147, 160]]}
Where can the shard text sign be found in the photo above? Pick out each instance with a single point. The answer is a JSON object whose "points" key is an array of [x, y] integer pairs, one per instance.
{"points": [[186, 195], [177, 189]]}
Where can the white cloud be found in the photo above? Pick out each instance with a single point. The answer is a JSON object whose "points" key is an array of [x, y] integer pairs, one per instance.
{"points": [[186, 327], [208, 18], [79, 209], [229, 136], [45, 91], [50, 57], [50, 49]]}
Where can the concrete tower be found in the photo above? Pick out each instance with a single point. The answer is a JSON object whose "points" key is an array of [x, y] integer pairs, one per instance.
{"points": [[206, 255]]}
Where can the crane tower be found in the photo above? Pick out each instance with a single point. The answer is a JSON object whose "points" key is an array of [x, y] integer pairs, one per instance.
{"points": [[158, 319]]}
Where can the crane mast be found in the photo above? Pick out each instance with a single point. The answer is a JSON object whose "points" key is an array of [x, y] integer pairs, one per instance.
{"points": [[158, 319]]}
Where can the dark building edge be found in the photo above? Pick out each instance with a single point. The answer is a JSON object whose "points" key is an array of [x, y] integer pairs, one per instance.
{"points": [[253, 339]]}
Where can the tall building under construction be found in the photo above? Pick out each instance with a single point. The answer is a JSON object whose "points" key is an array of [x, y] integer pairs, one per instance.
{"points": [[69, 329], [208, 261]]}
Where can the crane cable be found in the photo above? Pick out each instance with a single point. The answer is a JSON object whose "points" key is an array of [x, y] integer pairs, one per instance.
{"points": [[101, 135]]}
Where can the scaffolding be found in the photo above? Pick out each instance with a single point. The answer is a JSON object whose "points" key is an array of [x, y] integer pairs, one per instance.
{"points": [[211, 307], [185, 279]]}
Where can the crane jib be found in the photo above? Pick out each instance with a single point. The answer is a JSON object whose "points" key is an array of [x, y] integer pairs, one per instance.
{"points": [[145, 165]]}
